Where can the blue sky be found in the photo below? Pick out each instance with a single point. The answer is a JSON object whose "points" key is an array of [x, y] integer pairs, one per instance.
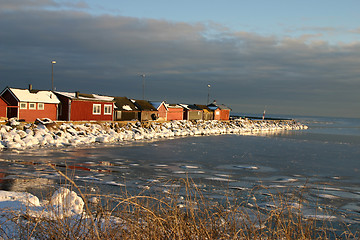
{"points": [[294, 57]]}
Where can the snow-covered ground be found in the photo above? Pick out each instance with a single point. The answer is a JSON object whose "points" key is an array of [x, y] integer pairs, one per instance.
{"points": [[49, 134]]}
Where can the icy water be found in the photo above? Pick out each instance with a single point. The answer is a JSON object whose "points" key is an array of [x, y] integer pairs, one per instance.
{"points": [[321, 165]]}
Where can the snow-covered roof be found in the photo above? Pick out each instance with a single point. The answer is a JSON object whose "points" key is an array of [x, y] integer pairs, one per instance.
{"points": [[41, 96], [172, 105], [89, 97], [190, 106], [123, 103], [213, 106]]}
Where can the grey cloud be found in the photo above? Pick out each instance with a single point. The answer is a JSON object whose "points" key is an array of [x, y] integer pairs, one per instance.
{"points": [[106, 54], [14, 5]]}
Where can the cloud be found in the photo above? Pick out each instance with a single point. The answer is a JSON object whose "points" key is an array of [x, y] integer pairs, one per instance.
{"points": [[106, 54]]}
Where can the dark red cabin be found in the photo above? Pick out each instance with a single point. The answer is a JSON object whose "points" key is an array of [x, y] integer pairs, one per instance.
{"points": [[221, 112], [30, 104], [85, 107]]}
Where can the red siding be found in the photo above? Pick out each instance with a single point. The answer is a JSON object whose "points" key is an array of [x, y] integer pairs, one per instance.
{"points": [[3, 107], [225, 114], [162, 112], [30, 115], [221, 114], [217, 113], [83, 111], [175, 114]]}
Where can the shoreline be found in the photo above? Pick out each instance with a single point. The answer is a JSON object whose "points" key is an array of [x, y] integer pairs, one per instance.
{"points": [[21, 136]]}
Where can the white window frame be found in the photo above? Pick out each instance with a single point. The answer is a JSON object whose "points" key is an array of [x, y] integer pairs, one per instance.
{"points": [[96, 109], [41, 106], [24, 106], [107, 109], [32, 106]]}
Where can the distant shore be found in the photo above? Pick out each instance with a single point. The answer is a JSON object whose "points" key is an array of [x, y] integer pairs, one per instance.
{"points": [[17, 135]]}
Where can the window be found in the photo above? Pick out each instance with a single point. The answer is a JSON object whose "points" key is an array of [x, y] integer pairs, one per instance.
{"points": [[23, 105], [32, 105], [96, 109], [107, 109], [40, 106]]}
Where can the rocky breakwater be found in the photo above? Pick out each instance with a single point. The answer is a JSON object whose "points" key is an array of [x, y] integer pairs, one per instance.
{"points": [[45, 133]]}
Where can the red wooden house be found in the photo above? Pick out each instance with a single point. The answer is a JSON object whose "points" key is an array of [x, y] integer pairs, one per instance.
{"points": [[29, 104], [161, 108], [221, 112], [3, 108], [85, 107], [175, 112]]}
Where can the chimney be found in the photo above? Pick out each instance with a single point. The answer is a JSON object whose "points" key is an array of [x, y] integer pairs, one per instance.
{"points": [[77, 94], [30, 87]]}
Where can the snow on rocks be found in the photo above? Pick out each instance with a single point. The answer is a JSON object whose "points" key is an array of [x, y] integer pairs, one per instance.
{"points": [[18, 206], [63, 203], [66, 203], [46, 133]]}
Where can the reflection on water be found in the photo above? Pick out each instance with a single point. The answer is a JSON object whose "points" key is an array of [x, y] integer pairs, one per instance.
{"points": [[322, 166]]}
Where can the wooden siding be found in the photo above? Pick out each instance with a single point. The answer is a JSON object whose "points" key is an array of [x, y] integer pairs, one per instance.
{"points": [[217, 113], [175, 114], [193, 115], [126, 115], [221, 114], [162, 112], [225, 114], [3, 108], [30, 115], [148, 115], [83, 111], [208, 115]]}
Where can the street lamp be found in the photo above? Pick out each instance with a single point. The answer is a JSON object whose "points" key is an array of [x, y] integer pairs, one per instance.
{"points": [[208, 93], [143, 87], [52, 74]]}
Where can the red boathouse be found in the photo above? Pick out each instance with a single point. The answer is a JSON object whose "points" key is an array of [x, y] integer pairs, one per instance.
{"points": [[85, 107], [221, 112], [29, 104]]}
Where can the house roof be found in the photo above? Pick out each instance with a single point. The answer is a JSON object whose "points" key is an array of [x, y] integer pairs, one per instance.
{"points": [[213, 106], [38, 96], [2, 100], [173, 105], [157, 104], [123, 103], [202, 107], [190, 107], [143, 105], [86, 97]]}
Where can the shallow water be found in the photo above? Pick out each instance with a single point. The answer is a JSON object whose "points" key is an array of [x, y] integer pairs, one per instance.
{"points": [[322, 163]]}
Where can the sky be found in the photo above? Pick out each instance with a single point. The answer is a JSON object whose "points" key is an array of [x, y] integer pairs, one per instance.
{"points": [[288, 57]]}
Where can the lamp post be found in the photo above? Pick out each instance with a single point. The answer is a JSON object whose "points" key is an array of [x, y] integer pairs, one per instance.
{"points": [[208, 99], [143, 86], [52, 74]]}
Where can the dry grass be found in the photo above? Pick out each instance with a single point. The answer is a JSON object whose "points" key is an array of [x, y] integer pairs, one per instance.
{"points": [[172, 215]]}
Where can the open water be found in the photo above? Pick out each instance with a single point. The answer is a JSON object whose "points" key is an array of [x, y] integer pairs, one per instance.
{"points": [[321, 165]]}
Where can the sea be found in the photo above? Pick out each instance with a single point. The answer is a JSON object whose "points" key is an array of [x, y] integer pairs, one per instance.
{"points": [[317, 168]]}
